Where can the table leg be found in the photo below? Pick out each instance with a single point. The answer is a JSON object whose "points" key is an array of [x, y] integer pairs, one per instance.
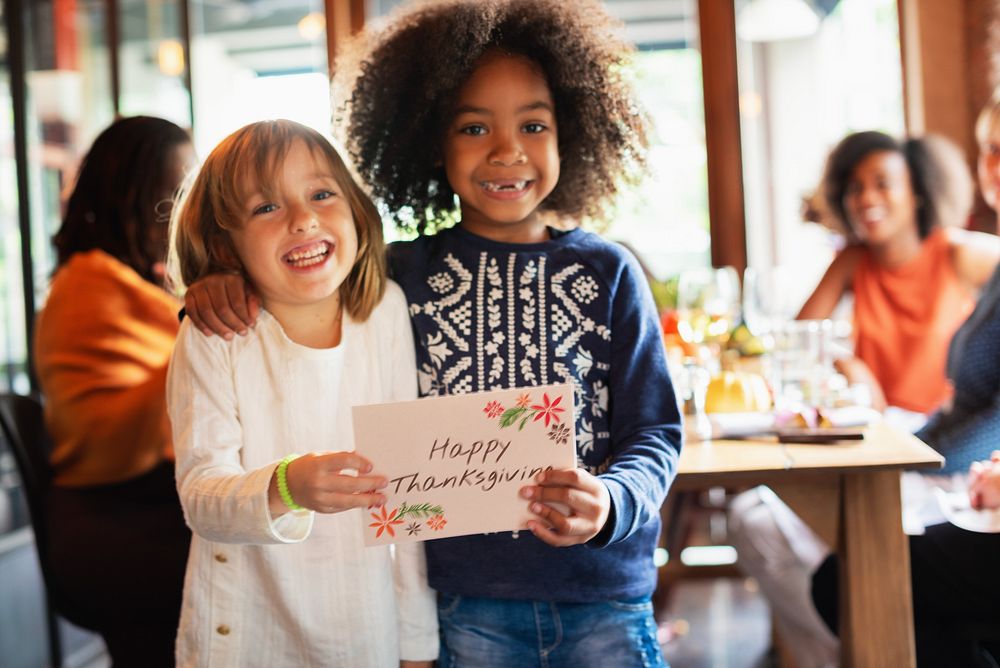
{"points": [[876, 604]]}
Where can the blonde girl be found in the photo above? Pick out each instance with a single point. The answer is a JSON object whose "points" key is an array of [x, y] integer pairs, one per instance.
{"points": [[278, 575]]}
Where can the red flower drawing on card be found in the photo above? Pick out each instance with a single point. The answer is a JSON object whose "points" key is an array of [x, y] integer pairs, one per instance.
{"points": [[437, 522], [523, 400], [548, 410], [385, 522], [493, 409]]}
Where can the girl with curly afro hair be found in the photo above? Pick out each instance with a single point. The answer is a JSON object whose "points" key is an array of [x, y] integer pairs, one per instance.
{"points": [[510, 115], [515, 118], [404, 90]]}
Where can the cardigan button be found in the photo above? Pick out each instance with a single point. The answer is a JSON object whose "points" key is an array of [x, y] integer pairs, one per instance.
{"points": [[221, 558], [223, 630]]}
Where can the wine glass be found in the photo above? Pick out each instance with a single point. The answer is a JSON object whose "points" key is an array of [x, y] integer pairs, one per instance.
{"points": [[767, 300], [708, 304]]}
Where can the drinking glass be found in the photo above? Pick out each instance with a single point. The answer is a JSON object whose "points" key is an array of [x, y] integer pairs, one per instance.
{"points": [[708, 304], [767, 299]]}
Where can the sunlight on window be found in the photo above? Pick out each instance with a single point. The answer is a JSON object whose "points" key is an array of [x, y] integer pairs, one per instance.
{"points": [[666, 219], [299, 97], [844, 78]]}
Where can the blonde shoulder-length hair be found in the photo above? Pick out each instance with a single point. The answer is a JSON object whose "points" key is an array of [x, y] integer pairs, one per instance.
{"points": [[212, 205]]}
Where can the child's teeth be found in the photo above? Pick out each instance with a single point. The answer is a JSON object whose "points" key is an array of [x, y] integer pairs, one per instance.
{"points": [[309, 255], [517, 185]]}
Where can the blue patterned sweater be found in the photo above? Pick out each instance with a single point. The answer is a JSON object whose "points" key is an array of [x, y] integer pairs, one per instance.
{"points": [[489, 315], [970, 428]]}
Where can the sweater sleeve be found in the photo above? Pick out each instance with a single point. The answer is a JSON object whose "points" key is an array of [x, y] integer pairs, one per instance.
{"points": [[645, 421], [222, 502], [418, 628]]}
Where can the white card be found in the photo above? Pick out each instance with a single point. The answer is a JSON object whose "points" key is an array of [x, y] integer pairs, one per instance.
{"points": [[455, 464]]}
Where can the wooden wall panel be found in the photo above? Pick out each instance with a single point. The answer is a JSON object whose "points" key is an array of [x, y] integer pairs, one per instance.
{"points": [[950, 53], [717, 21]]}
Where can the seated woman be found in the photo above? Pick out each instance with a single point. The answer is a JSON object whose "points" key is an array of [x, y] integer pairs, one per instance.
{"points": [[914, 281], [118, 539], [914, 275], [954, 574]]}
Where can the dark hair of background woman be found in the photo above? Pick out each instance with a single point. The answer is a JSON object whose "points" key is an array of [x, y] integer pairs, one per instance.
{"points": [[931, 175], [122, 197]]}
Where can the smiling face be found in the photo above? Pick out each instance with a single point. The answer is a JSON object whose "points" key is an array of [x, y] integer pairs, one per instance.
{"points": [[501, 151], [879, 199], [989, 161], [298, 242]]}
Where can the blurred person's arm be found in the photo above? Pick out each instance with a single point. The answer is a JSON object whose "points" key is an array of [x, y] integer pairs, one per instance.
{"points": [[975, 256], [836, 282], [857, 373]]}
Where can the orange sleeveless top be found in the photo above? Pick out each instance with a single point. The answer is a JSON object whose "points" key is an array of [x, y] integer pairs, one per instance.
{"points": [[904, 318]]}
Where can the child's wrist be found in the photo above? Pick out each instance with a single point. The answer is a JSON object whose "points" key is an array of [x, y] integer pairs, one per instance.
{"points": [[281, 478]]}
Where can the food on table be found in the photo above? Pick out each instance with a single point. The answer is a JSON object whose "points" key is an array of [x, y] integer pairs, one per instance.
{"points": [[737, 392]]}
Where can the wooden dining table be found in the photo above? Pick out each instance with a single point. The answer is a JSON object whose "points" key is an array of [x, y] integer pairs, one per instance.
{"points": [[848, 492]]}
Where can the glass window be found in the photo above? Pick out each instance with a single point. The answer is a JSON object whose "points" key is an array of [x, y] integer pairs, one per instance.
{"points": [[665, 221], [68, 103], [13, 346], [152, 62], [798, 97], [255, 60]]}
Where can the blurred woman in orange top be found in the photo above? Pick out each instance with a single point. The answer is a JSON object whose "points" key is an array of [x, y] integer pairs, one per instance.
{"points": [[913, 271], [118, 541]]}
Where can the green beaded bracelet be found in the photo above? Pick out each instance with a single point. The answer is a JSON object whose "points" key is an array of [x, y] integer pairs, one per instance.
{"points": [[282, 475]]}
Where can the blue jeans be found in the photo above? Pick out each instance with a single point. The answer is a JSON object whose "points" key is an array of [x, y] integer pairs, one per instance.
{"points": [[499, 633]]}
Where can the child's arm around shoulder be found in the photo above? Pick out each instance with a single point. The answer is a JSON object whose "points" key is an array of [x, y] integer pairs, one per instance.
{"points": [[645, 431], [222, 304]]}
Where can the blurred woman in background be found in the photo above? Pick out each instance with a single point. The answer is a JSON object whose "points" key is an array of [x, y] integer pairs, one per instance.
{"points": [[913, 271], [954, 571], [118, 541], [914, 276]]}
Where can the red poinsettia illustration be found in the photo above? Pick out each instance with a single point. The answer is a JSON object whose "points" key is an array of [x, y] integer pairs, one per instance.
{"points": [[385, 522], [437, 522], [524, 411], [548, 410], [493, 409]]}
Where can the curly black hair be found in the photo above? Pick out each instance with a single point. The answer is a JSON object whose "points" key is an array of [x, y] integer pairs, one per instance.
{"points": [[403, 81], [940, 179]]}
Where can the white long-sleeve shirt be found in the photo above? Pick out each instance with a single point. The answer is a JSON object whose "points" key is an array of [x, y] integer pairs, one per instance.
{"points": [[301, 590]]}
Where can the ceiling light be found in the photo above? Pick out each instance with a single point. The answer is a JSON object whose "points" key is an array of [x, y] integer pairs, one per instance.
{"points": [[170, 57], [312, 26]]}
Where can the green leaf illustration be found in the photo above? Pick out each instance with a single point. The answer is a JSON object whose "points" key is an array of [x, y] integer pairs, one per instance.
{"points": [[511, 415], [419, 510]]}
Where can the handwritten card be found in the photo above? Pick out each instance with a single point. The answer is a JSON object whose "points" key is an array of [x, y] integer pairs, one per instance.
{"points": [[455, 464]]}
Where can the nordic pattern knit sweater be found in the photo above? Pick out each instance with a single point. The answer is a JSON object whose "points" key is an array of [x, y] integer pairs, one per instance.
{"points": [[488, 315]]}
